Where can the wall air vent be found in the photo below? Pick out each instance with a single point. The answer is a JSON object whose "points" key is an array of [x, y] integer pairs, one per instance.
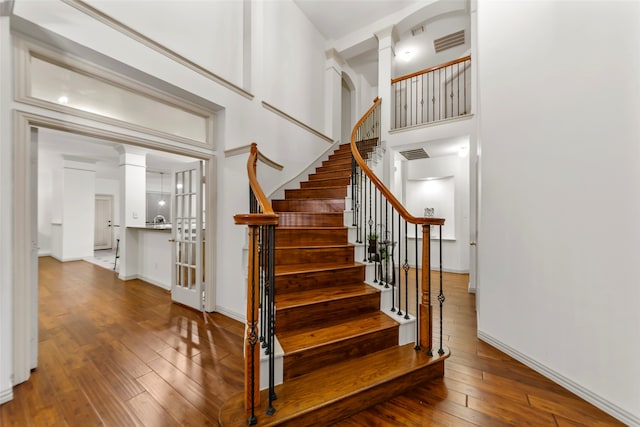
{"points": [[418, 153], [447, 42], [417, 30]]}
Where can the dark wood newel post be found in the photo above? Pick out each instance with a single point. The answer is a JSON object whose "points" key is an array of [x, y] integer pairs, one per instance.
{"points": [[425, 307]]}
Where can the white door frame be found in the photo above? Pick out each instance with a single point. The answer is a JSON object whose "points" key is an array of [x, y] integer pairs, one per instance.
{"points": [[23, 212]]}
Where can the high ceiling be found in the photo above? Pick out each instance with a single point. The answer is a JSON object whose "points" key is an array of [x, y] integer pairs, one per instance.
{"points": [[337, 18]]}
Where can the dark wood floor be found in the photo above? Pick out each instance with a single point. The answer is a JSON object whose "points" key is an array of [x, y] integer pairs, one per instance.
{"points": [[120, 354]]}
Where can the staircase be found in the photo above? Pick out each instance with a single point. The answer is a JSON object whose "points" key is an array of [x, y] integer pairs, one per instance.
{"points": [[341, 353]]}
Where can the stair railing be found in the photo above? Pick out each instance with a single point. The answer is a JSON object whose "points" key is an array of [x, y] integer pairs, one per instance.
{"points": [[384, 225], [433, 94], [261, 222]]}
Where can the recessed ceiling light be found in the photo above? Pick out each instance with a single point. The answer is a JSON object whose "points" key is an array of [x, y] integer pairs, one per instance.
{"points": [[463, 151], [63, 99], [407, 55]]}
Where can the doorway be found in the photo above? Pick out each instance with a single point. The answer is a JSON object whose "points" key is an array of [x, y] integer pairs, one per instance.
{"points": [[103, 223], [25, 210]]}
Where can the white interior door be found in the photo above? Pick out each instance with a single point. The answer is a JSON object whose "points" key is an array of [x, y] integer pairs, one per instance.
{"points": [[187, 253], [103, 229]]}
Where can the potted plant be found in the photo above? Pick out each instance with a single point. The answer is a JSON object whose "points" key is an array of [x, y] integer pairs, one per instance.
{"points": [[372, 249]]}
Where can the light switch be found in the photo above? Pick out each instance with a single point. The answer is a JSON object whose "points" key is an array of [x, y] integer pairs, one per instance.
{"points": [[135, 215]]}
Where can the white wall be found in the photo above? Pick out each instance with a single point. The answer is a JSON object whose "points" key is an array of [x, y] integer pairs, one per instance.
{"points": [[66, 207], [286, 71], [154, 257], [455, 251], [560, 171], [294, 62], [196, 29], [45, 202], [78, 218]]}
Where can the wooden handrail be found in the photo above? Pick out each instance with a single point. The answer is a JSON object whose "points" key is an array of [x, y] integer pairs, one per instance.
{"points": [[268, 216], [379, 185], [428, 70]]}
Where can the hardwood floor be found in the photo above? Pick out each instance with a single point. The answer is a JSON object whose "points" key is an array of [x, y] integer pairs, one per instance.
{"points": [[120, 354]]}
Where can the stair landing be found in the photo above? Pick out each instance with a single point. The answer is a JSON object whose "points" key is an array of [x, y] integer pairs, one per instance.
{"points": [[333, 393]]}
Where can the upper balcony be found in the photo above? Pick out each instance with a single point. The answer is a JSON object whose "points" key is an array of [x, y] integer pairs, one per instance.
{"points": [[432, 95]]}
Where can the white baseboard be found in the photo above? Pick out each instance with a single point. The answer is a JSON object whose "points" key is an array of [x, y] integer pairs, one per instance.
{"points": [[6, 395], [471, 289], [608, 407], [44, 253], [229, 313], [153, 282]]}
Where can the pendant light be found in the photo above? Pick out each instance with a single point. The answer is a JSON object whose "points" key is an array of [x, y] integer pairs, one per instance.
{"points": [[161, 202]]}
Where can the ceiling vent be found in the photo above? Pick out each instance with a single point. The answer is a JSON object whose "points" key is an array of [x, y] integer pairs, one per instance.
{"points": [[417, 30], [447, 42], [418, 153]]}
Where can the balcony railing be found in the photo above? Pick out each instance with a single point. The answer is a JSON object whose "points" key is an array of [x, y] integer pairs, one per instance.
{"points": [[434, 94]]}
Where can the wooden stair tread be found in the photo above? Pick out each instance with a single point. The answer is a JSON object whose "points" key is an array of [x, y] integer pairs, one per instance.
{"points": [[309, 227], [313, 296], [303, 245], [322, 199], [282, 270], [300, 398], [314, 336]]}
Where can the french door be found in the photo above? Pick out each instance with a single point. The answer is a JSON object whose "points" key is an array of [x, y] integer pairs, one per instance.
{"points": [[187, 230]]}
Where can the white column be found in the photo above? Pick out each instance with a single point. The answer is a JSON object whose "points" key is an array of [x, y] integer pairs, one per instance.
{"points": [[386, 53], [133, 196], [333, 95]]}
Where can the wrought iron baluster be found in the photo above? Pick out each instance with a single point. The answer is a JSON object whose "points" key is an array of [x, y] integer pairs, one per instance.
{"points": [[422, 98], [375, 224], [440, 102], [271, 236], [252, 330], [458, 81], [386, 241], [406, 272], [353, 192], [440, 294], [393, 265], [400, 221], [360, 231], [264, 297]]}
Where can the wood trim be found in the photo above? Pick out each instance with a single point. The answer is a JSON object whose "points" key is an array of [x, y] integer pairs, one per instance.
{"points": [[379, 185], [297, 122], [80, 129], [149, 42], [428, 70], [22, 239], [26, 49], [22, 211], [246, 149]]}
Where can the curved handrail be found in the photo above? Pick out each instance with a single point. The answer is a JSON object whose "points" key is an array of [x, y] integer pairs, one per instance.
{"points": [[428, 70], [268, 216], [379, 185]]}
